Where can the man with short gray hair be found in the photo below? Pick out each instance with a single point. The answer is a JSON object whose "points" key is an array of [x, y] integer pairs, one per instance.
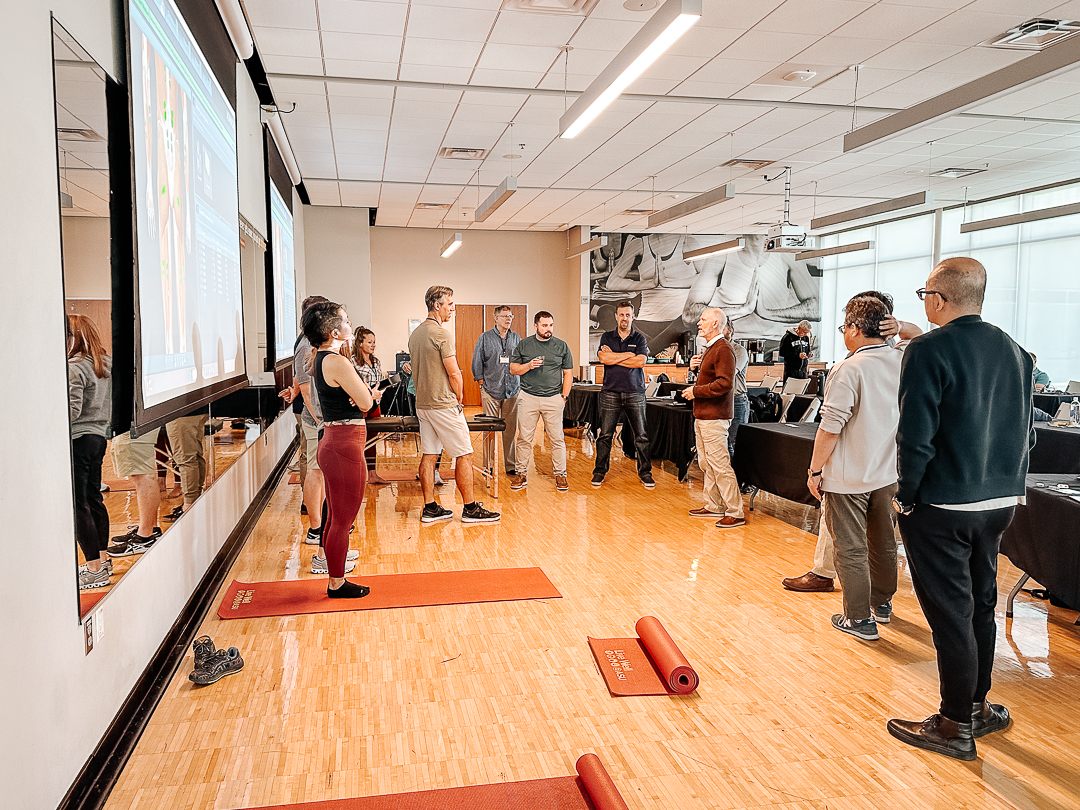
{"points": [[795, 350], [499, 388]]}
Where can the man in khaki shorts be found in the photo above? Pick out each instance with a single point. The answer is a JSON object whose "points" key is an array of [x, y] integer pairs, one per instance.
{"points": [[137, 459], [439, 396]]}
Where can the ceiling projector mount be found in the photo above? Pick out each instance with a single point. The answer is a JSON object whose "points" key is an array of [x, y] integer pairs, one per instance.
{"points": [[785, 237]]}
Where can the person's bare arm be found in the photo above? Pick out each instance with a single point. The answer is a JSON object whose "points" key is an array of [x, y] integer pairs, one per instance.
{"points": [[905, 330], [824, 445], [567, 382], [456, 381], [610, 358], [340, 372], [629, 260], [633, 360], [517, 369]]}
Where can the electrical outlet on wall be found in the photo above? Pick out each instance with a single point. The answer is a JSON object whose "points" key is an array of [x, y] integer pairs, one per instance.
{"points": [[88, 633]]}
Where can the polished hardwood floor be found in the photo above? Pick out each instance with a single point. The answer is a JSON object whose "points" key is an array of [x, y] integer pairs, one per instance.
{"points": [[790, 713]]}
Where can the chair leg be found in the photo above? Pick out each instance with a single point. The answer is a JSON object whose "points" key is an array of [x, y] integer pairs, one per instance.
{"points": [[1012, 595]]}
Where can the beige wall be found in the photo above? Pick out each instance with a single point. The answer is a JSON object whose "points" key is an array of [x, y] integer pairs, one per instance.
{"points": [[490, 267], [337, 257], [87, 269]]}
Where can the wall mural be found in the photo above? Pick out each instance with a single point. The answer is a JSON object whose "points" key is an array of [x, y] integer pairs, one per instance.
{"points": [[763, 294]]}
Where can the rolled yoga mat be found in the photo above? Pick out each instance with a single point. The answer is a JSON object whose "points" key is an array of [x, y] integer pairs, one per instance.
{"points": [[651, 664], [591, 789], [247, 600]]}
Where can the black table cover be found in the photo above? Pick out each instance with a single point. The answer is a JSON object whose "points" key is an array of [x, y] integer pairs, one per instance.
{"points": [[583, 406], [774, 457], [1056, 450], [1050, 402], [1043, 540], [666, 389], [671, 433]]}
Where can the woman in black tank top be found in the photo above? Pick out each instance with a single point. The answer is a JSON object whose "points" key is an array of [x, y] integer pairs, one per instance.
{"points": [[344, 399]]}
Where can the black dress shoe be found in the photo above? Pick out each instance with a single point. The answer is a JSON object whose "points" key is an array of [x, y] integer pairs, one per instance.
{"points": [[938, 734], [987, 718]]}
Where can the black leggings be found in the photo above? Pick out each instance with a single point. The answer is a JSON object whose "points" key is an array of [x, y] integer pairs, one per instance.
{"points": [[91, 517]]}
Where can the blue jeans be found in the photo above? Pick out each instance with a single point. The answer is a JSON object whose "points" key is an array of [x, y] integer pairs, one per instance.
{"points": [[742, 416], [613, 404]]}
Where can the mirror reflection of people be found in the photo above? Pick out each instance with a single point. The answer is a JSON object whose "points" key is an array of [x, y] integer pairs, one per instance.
{"points": [[369, 368], [187, 438], [90, 408], [1042, 379], [136, 458], [344, 399]]}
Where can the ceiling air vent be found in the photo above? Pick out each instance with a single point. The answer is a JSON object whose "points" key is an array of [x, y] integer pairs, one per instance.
{"points": [[580, 8], [956, 173], [1034, 35], [746, 164], [636, 212], [432, 206], [458, 153], [73, 134]]}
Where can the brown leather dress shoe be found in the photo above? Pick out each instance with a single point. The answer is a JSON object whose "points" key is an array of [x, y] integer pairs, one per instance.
{"points": [[987, 718], [938, 734], [808, 583]]}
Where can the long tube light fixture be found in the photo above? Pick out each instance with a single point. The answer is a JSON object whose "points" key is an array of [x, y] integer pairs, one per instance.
{"points": [[693, 205], [1055, 60], [273, 120], [714, 250], [575, 247], [910, 201], [452, 244], [671, 21], [500, 195], [1020, 219], [833, 251], [236, 25]]}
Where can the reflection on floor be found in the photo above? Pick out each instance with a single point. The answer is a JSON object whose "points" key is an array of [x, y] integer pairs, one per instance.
{"points": [[790, 713], [228, 443]]}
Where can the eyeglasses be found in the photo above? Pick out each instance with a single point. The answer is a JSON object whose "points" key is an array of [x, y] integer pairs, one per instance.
{"points": [[842, 329], [922, 293]]}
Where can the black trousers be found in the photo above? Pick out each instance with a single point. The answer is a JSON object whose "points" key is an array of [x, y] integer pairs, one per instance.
{"points": [[953, 560], [613, 404], [91, 517]]}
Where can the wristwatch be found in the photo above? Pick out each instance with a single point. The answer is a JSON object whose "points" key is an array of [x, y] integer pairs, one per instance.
{"points": [[902, 508], [817, 474]]}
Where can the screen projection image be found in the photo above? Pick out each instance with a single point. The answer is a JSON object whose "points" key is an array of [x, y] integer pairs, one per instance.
{"points": [[281, 244], [187, 210]]}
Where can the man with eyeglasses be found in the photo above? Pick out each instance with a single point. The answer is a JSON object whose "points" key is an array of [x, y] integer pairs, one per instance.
{"points": [[499, 388], [963, 438]]}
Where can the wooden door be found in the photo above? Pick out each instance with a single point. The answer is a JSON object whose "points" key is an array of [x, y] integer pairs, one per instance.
{"points": [[99, 310], [468, 326]]}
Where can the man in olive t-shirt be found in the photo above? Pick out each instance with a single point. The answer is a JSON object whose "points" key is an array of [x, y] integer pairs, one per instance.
{"points": [[545, 366]]}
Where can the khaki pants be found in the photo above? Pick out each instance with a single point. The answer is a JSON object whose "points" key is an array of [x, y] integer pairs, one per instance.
{"points": [[187, 436], [530, 410], [505, 409], [721, 490], [862, 528], [824, 555], [303, 447]]}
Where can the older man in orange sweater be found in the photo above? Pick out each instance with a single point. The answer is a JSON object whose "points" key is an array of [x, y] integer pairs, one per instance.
{"points": [[713, 396]]}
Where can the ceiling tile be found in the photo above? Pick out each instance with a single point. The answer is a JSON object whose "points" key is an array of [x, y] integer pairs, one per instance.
{"points": [[506, 78], [363, 17], [307, 65], [812, 16], [779, 48], [361, 70], [287, 42], [518, 57], [967, 28], [440, 53], [441, 23], [282, 13], [361, 47], [519, 28], [605, 35]]}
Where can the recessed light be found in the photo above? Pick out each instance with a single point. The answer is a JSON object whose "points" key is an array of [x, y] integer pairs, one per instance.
{"points": [[800, 76], [955, 173], [915, 171], [640, 5]]}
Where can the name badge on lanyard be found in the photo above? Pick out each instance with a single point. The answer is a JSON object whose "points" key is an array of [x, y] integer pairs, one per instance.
{"points": [[504, 358]]}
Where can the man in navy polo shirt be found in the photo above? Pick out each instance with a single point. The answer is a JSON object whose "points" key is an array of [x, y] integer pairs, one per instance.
{"points": [[623, 352]]}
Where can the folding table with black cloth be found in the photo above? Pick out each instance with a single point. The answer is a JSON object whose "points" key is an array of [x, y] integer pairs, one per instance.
{"points": [[1050, 402], [1043, 541], [775, 456], [1056, 451]]}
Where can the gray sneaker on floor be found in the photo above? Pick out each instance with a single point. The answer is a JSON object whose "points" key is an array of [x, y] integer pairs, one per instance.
{"points": [[89, 580], [319, 565], [204, 649], [435, 513], [866, 629], [132, 543], [883, 613], [478, 514], [220, 664]]}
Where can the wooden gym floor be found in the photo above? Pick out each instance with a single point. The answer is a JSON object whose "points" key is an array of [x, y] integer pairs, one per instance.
{"points": [[790, 713]]}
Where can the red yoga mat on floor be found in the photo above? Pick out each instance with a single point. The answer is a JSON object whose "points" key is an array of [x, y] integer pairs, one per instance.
{"points": [[88, 599], [651, 664], [591, 789], [294, 478], [246, 600]]}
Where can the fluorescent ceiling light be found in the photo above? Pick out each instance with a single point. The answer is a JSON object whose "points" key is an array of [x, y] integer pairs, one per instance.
{"points": [[1061, 58], [714, 250], [833, 251], [451, 245], [500, 195], [1020, 219], [273, 121], [663, 29], [575, 247], [922, 198], [693, 205]]}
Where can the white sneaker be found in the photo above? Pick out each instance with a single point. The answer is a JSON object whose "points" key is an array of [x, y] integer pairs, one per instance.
{"points": [[318, 565], [313, 539]]}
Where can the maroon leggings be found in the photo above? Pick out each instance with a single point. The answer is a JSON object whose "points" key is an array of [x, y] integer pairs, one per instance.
{"points": [[341, 459]]}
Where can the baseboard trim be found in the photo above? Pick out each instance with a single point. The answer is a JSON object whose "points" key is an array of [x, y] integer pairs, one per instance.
{"points": [[99, 775]]}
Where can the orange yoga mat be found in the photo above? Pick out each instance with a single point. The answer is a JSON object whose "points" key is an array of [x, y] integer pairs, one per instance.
{"points": [[87, 599], [651, 664], [591, 789], [246, 600]]}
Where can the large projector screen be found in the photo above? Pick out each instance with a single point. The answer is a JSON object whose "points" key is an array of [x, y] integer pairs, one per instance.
{"points": [[189, 321], [281, 249]]}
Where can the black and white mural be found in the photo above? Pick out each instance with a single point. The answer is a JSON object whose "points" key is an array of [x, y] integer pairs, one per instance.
{"points": [[763, 294]]}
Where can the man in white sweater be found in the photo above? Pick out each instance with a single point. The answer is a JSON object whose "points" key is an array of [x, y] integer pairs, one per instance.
{"points": [[853, 469]]}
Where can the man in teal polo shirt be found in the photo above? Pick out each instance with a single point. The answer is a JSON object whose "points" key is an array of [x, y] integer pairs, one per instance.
{"points": [[545, 365]]}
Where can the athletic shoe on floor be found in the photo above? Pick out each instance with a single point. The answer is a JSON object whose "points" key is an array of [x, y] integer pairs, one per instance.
{"points": [[561, 484], [705, 513], [104, 487], [204, 649], [866, 629], [438, 480], [647, 481], [88, 580], [883, 613], [130, 544], [478, 514], [319, 566], [313, 538], [433, 513], [597, 480], [729, 522], [988, 717], [220, 664], [518, 482], [174, 514], [294, 467]]}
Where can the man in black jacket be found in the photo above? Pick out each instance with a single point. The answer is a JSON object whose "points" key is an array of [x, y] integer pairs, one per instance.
{"points": [[795, 351], [962, 451]]}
